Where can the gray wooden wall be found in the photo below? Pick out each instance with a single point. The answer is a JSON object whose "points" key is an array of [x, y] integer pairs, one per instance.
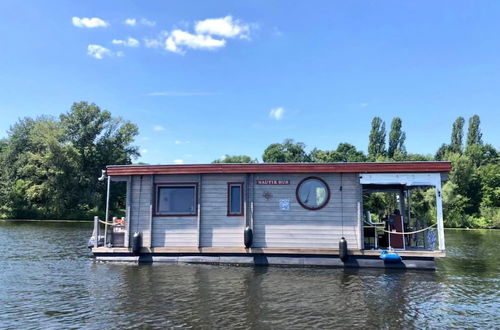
{"points": [[302, 228], [273, 227]]}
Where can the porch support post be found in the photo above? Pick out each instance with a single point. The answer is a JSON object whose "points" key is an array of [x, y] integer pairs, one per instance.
{"points": [[107, 212], [126, 242], [402, 205], [439, 214]]}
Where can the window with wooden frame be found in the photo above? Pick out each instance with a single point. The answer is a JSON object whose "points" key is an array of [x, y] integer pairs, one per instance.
{"points": [[235, 197], [176, 199]]}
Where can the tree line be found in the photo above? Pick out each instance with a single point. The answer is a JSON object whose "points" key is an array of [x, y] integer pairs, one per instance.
{"points": [[49, 166], [471, 196]]}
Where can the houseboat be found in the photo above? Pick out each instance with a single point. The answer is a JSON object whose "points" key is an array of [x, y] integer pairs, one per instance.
{"points": [[300, 214]]}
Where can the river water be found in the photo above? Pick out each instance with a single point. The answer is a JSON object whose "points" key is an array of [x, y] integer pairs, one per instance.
{"points": [[49, 280]]}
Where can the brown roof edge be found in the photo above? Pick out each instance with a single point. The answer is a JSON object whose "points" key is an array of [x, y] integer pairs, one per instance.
{"points": [[401, 167]]}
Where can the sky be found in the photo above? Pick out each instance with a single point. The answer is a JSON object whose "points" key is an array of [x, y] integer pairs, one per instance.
{"points": [[202, 79]]}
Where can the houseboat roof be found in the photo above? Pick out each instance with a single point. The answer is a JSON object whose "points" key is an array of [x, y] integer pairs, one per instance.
{"points": [[373, 167]]}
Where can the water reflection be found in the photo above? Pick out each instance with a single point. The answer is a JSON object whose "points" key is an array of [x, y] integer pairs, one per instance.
{"points": [[48, 281]]}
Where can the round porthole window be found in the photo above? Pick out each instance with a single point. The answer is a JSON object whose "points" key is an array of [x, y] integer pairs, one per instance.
{"points": [[313, 193]]}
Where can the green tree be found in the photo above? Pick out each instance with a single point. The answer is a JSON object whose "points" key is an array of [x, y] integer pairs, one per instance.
{"points": [[99, 140], [286, 152], [474, 135], [345, 152], [457, 135], [396, 139], [241, 159], [376, 144], [49, 168]]}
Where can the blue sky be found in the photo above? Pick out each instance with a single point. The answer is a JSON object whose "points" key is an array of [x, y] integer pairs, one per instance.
{"points": [[206, 78]]}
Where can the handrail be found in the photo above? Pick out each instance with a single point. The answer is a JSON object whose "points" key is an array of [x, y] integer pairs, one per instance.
{"points": [[106, 223], [406, 233]]}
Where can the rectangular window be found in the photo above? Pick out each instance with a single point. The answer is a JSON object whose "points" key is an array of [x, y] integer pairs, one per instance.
{"points": [[235, 199], [176, 199]]}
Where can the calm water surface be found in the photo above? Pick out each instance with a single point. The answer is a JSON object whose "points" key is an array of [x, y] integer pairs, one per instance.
{"points": [[48, 280]]}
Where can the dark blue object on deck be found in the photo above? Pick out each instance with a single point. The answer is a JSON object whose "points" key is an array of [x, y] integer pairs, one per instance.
{"points": [[390, 256], [343, 254], [136, 243], [248, 237]]}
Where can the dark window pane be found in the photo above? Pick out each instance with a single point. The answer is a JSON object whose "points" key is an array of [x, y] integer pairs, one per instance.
{"points": [[176, 200], [235, 199]]}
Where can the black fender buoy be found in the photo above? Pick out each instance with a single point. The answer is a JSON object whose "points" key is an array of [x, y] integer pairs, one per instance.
{"points": [[248, 237], [343, 249], [136, 243]]}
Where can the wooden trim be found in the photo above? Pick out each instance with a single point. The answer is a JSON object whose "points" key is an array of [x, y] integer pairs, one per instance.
{"points": [[156, 185], [126, 239], [308, 207], [151, 211], [242, 204], [198, 208], [385, 167]]}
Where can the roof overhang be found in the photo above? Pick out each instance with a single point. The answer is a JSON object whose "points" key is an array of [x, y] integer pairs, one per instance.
{"points": [[387, 167], [394, 180]]}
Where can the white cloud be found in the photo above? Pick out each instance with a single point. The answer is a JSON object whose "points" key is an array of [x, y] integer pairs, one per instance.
{"points": [[158, 128], [182, 142], [98, 51], [277, 113], [157, 42], [178, 161], [130, 42], [152, 43], [363, 105], [145, 138], [144, 151], [130, 21], [147, 22], [179, 40], [90, 23], [225, 27], [143, 21]]}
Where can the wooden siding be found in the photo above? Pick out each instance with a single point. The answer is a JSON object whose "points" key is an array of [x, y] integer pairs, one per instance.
{"points": [[302, 228], [273, 228], [175, 231], [140, 207], [218, 229]]}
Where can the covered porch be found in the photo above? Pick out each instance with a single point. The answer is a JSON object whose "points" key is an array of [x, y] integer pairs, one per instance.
{"points": [[396, 226]]}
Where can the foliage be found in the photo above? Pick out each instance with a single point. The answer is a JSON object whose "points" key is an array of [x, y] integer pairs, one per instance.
{"points": [[286, 152], [376, 144], [345, 152], [457, 135], [49, 167], [396, 139], [474, 135], [241, 159]]}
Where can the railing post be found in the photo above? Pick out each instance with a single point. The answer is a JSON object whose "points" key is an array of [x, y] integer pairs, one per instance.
{"points": [[96, 231], [107, 212]]}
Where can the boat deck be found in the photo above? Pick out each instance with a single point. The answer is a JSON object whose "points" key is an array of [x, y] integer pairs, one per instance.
{"points": [[270, 256]]}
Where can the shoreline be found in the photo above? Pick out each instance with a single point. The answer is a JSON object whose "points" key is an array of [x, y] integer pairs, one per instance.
{"points": [[44, 220], [90, 221]]}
